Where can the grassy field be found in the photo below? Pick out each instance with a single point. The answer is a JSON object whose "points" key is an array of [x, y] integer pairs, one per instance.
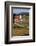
{"points": [[21, 29]]}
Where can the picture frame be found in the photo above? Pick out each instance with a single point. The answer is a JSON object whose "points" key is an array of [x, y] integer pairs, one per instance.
{"points": [[19, 22]]}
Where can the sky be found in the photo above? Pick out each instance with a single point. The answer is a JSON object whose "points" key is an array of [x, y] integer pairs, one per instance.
{"points": [[16, 10]]}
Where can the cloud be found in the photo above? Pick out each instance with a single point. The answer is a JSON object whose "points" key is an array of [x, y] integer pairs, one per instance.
{"points": [[17, 11]]}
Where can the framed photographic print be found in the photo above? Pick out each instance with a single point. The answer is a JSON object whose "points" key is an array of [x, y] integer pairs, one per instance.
{"points": [[19, 22]]}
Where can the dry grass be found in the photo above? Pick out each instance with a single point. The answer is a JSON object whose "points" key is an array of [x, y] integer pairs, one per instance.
{"points": [[19, 31]]}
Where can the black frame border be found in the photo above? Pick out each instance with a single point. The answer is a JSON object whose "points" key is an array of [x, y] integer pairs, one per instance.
{"points": [[7, 3]]}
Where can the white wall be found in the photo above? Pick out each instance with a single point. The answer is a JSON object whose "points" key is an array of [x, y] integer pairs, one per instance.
{"points": [[35, 21], [2, 25], [23, 0]]}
